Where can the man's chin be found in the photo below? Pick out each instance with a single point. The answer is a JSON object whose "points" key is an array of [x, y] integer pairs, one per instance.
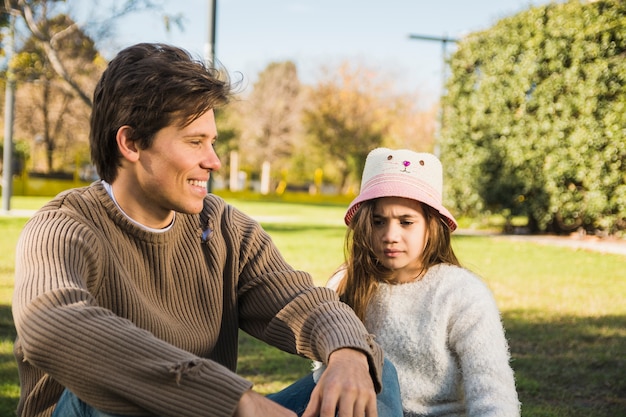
{"points": [[191, 209]]}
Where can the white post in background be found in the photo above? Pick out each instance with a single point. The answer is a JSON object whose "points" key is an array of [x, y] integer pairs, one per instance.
{"points": [[234, 171], [265, 178], [7, 160]]}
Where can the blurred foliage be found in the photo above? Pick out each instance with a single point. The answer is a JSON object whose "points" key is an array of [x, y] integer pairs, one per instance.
{"points": [[348, 113], [270, 114], [47, 112], [321, 131], [267, 120], [75, 46], [536, 118]]}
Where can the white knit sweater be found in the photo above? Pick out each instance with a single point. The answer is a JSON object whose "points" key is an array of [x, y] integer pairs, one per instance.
{"points": [[444, 335]]}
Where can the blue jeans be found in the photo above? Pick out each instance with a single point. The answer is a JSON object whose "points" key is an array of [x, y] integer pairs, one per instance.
{"points": [[295, 397], [388, 402], [70, 405]]}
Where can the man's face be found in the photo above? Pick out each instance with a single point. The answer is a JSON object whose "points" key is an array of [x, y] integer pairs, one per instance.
{"points": [[172, 174]]}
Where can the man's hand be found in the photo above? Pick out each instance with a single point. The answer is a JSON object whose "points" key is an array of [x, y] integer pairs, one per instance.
{"points": [[345, 389], [253, 404]]}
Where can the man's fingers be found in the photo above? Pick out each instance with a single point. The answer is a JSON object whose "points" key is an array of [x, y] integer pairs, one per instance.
{"points": [[330, 401], [312, 408], [356, 405], [371, 409]]}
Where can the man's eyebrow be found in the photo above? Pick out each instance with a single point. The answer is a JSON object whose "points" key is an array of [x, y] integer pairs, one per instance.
{"points": [[201, 135]]}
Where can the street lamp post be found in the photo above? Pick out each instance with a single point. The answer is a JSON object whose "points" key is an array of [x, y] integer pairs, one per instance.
{"points": [[444, 45], [209, 58], [9, 104], [210, 46]]}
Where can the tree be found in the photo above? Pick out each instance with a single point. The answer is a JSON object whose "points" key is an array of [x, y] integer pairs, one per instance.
{"points": [[269, 117], [535, 118], [59, 65], [5, 14], [47, 110], [353, 110], [38, 14]]}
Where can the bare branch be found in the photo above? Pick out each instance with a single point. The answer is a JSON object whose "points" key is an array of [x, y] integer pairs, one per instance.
{"points": [[48, 43]]}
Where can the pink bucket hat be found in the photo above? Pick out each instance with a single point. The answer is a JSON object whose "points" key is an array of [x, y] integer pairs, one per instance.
{"points": [[402, 173]]}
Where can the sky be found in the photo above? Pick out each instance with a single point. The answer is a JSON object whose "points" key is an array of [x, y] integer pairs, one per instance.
{"points": [[250, 34]]}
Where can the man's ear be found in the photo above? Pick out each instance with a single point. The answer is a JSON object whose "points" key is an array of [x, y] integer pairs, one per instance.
{"points": [[127, 146]]}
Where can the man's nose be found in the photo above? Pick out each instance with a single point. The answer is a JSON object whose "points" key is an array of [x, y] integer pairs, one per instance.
{"points": [[211, 161]]}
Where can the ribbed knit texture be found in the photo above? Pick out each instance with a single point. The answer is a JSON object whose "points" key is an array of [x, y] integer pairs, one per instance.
{"points": [[141, 323], [444, 335]]}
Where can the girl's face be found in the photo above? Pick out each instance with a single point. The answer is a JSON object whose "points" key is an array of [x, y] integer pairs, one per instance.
{"points": [[400, 235]]}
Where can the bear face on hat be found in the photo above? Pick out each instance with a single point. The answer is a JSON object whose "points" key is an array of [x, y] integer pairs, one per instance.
{"points": [[402, 173]]}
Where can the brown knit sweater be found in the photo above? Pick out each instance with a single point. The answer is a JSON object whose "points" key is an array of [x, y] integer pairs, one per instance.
{"points": [[141, 323]]}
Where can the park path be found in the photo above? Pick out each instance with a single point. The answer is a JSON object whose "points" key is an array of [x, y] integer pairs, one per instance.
{"points": [[574, 241]]}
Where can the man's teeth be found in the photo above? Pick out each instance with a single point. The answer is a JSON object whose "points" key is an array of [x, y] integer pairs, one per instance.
{"points": [[197, 183]]}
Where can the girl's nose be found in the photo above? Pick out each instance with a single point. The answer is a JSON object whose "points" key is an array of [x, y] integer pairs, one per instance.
{"points": [[391, 233]]}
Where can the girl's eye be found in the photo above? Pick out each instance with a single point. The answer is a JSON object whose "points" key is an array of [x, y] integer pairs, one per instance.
{"points": [[407, 223]]}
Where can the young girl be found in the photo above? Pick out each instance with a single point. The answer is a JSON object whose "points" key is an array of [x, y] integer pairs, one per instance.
{"points": [[437, 322]]}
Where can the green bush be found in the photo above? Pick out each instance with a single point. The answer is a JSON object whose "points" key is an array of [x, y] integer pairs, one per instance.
{"points": [[535, 114]]}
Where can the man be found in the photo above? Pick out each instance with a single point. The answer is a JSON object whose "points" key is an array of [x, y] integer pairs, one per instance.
{"points": [[130, 293]]}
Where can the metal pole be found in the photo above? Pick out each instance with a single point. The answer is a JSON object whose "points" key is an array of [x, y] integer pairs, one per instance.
{"points": [[210, 47], [9, 104], [444, 44], [210, 57]]}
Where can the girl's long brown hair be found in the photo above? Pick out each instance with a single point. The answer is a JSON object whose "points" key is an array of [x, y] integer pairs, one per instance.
{"points": [[364, 271]]}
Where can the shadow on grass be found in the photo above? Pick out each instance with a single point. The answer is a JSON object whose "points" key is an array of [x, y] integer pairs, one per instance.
{"points": [[7, 328], [9, 380], [568, 366], [269, 368]]}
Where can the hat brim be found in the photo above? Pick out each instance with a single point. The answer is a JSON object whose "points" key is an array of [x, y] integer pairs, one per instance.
{"points": [[388, 189]]}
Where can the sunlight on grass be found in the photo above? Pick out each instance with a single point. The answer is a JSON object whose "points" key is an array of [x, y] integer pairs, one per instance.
{"points": [[28, 203], [9, 391], [525, 275], [268, 368]]}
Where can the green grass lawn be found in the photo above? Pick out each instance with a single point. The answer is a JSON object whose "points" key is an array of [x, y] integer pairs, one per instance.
{"points": [[564, 311]]}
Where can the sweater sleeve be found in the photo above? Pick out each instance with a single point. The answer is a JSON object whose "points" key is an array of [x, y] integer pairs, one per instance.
{"points": [[284, 308], [477, 337], [104, 359]]}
